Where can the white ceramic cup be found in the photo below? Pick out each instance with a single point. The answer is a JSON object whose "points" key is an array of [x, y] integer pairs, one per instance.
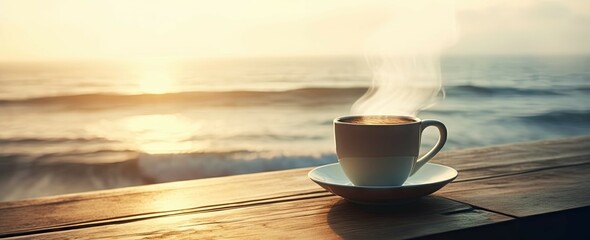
{"points": [[382, 150]]}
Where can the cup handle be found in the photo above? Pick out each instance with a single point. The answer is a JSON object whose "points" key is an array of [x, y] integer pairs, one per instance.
{"points": [[442, 130]]}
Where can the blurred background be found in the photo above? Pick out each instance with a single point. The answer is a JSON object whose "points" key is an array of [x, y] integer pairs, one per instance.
{"points": [[107, 94]]}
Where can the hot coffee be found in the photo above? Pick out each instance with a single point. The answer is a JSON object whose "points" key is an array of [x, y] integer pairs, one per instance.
{"points": [[382, 150], [378, 120]]}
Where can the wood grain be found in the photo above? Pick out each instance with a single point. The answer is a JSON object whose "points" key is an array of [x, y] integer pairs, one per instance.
{"points": [[321, 218], [474, 163], [512, 180], [527, 194], [161, 199]]}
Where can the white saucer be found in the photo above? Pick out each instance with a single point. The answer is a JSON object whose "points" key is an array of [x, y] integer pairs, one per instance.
{"points": [[430, 178]]}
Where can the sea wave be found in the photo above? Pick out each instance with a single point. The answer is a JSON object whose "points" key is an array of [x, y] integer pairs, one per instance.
{"points": [[177, 166], [584, 89], [101, 156], [74, 172], [52, 140], [203, 163], [36, 179], [560, 117], [301, 96], [174, 167], [475, 90]]}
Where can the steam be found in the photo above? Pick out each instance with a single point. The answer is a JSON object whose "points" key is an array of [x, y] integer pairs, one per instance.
{"points": [[404, 58]]}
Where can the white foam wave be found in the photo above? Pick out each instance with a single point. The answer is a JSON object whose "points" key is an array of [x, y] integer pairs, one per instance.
{"points": [[174, 167]]}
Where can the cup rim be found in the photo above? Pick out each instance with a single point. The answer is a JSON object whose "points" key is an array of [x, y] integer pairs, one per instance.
{"points": [[338, 120]]}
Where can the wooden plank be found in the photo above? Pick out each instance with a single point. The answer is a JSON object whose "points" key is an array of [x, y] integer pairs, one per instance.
{"points": [[474, 163], [174, 198], [526, 194], [320, 218], [568, 224], [161, 199], [524, 179]]}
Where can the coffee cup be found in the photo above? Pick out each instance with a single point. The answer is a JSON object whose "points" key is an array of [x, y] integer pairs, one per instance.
{"points": [[382, 150]]}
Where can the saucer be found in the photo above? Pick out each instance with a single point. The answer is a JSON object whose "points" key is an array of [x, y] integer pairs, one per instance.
{"points": [[430, 178]]}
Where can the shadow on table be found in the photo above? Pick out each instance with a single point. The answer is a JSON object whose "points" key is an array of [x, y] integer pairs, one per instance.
{"points": [[421, 217], [440, 218]]}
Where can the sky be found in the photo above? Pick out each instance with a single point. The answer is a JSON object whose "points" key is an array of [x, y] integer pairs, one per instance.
{"points": [[129, 29]]}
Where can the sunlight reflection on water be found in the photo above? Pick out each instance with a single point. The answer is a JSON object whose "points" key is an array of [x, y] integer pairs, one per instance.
{"points": [[156, 133]]}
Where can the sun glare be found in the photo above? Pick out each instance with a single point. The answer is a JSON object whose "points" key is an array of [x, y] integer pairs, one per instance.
{"points": [[155, 77], [162, 133]]}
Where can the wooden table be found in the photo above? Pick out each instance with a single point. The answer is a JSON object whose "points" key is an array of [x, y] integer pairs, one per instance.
{"points": [[531, 190]]}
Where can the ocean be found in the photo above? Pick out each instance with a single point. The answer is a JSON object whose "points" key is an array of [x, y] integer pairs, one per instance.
{"points": [[79, 126]]}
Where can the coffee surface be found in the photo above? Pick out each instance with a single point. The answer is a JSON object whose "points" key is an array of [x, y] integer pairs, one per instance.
{"points": [[379, 120]]}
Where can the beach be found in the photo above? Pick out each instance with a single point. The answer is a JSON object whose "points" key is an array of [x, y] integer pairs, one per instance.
{"points": [[80, 126]]}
